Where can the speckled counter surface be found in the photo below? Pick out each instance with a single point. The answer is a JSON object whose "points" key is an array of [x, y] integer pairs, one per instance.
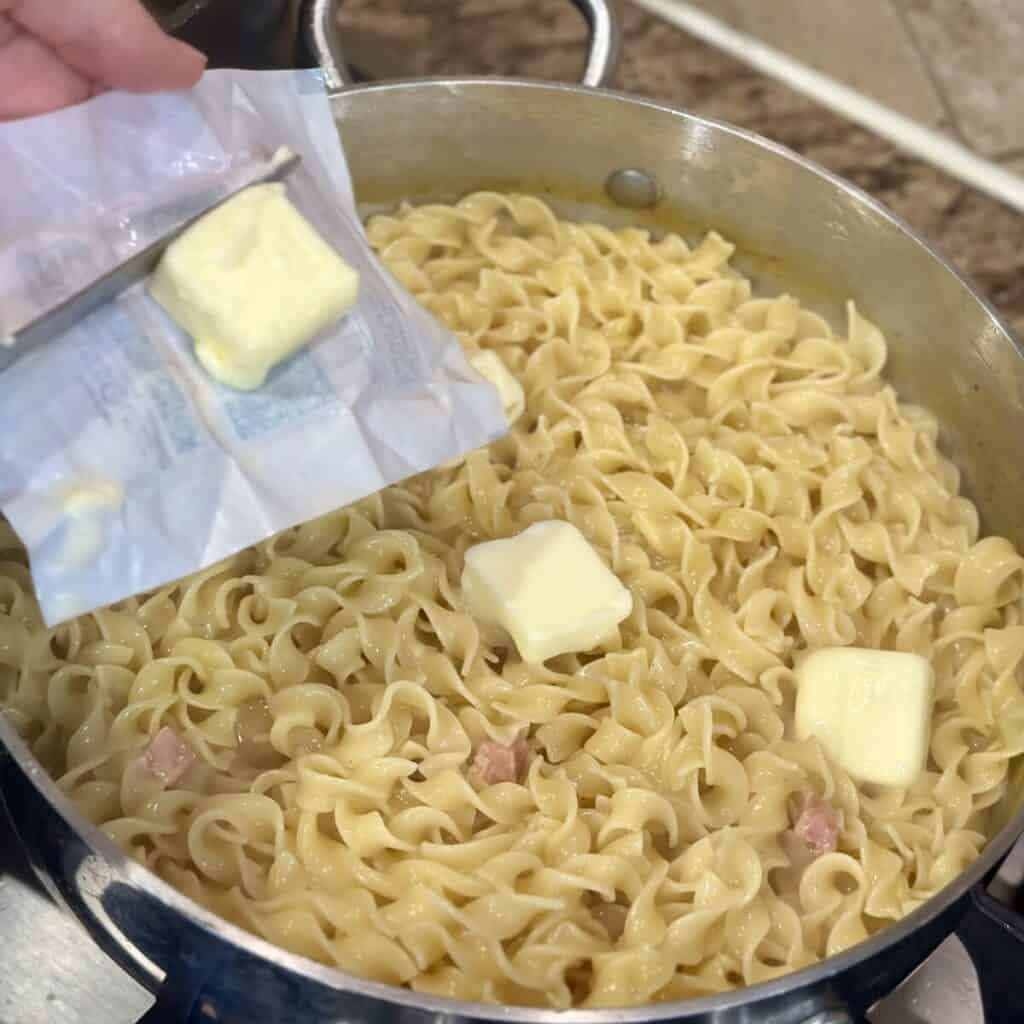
{"points": [[546, 39]]}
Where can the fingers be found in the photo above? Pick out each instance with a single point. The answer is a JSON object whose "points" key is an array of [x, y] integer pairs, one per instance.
{"points": [[114, 43], [33, 80]]}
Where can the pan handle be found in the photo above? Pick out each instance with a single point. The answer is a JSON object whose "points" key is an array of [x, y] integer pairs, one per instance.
{"points": [[324, 40]]}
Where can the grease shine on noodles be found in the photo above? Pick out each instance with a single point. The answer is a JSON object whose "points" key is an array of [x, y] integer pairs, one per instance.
{"points": [[750, 478]]}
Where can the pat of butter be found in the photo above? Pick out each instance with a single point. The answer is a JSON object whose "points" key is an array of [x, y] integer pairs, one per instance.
{"points": [[870, 710], [548, 588], [85, 507], [489, 365], [252, 282]]}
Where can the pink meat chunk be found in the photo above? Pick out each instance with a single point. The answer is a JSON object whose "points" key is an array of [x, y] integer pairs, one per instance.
{"points": [[168, 756], [817, 823], [496, 762]]}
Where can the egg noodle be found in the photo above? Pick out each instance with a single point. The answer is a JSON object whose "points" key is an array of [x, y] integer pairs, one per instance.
{"points": [[750, 478]]}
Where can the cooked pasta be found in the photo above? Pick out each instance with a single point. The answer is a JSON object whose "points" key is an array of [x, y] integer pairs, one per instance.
{"points": [[745, 472]]}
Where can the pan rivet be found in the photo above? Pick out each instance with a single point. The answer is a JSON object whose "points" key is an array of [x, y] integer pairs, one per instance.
{"points": [[633, 188]]}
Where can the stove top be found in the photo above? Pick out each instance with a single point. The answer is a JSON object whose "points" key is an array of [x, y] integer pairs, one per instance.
{"points": [[52, 972]]}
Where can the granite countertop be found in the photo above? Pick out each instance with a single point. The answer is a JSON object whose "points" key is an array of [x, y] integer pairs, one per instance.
{"points": [[547, 39]]}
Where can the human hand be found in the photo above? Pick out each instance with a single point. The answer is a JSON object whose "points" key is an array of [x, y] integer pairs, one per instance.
{"points": [[54, 53]]}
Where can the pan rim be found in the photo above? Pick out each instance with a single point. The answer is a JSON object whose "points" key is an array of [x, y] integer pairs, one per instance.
{"points": [[340, 982]]}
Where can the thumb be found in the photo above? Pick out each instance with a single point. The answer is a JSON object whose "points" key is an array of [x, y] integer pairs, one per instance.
{"points": [[115, 43]]}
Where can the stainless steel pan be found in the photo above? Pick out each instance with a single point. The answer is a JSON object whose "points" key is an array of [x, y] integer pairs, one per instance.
{"points": [[798, 226]]}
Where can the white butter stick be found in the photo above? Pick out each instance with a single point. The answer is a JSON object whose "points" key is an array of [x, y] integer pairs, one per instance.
{"points": [[548, 588], [870, 711], [252, 282]]}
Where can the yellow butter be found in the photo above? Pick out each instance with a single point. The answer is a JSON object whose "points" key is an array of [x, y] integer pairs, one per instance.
{"points": [[85, 508], [489, 365], [252, 282], [870, 710], [548, 588]]}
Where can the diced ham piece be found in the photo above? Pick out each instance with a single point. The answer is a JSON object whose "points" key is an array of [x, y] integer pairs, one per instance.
{"points": [[168, 756], [817, 823], [496, 762]]}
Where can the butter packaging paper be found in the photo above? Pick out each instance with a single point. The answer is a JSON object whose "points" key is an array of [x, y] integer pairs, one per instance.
{"points": [[123, 464]]}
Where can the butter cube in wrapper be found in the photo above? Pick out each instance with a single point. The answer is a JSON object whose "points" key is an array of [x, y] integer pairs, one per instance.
{"points": [[190, 469]]}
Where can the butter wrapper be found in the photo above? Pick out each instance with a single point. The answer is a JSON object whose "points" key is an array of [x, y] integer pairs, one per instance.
{"points": [[123, 465]]}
